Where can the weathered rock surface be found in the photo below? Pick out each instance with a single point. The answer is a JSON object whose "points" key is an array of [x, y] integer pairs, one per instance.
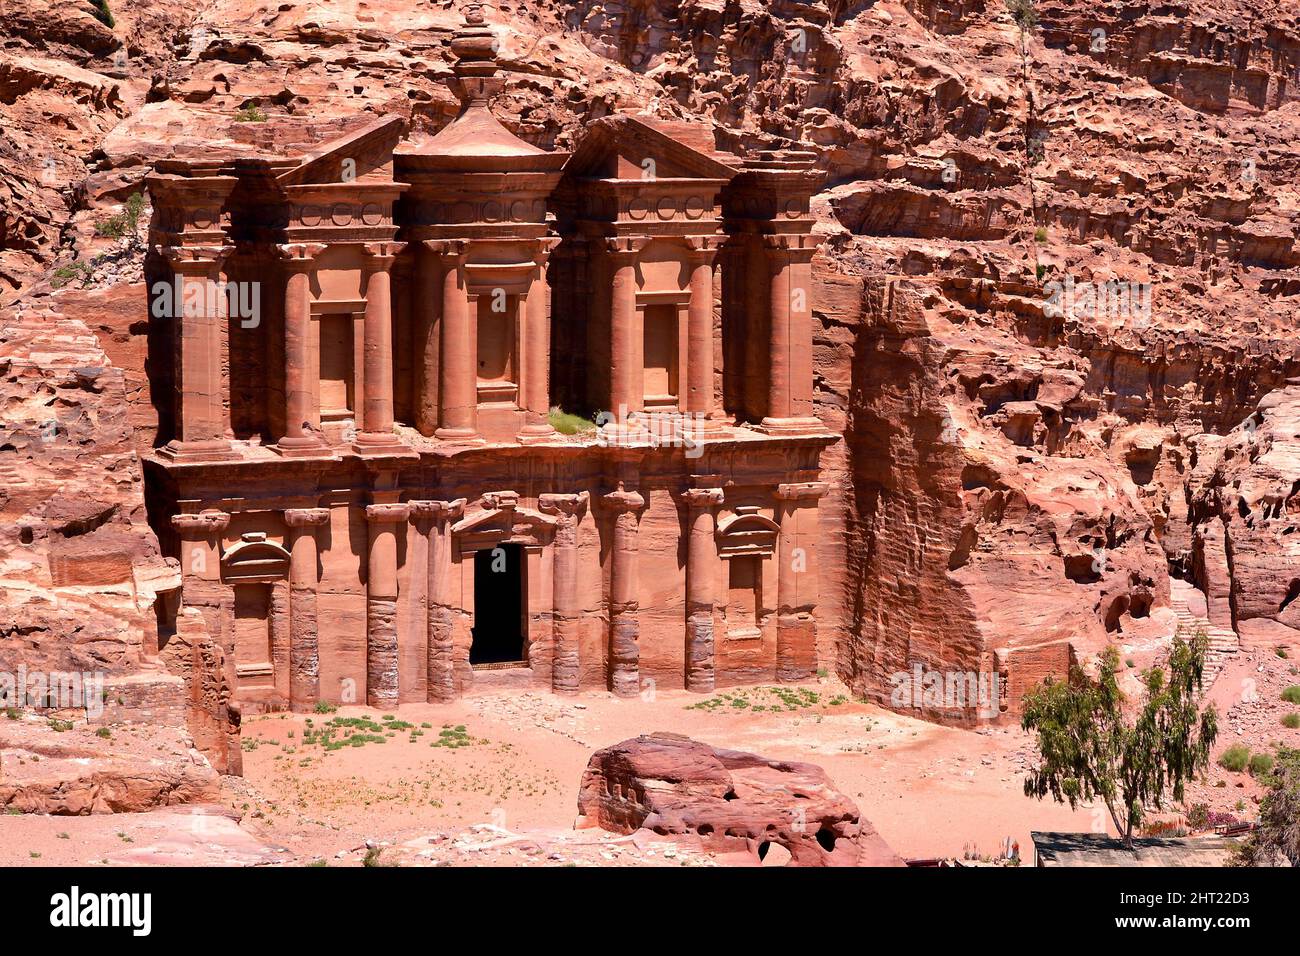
{"points": [[75, 772], [730, 800]]}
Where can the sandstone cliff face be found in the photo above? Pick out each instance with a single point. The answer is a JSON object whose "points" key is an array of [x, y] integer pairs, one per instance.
{"points": [[1027, 459]]}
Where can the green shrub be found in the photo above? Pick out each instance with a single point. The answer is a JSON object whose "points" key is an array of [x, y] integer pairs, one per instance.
{"points": [[567, 423], [250, 114], [125, 222], [1261, 765], [1235, 758], [1291, 721], [325, 707], [1292, 694], [1040, 234]]}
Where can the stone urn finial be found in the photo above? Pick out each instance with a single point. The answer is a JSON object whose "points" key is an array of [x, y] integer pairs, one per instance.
{"points": [[475, 46]]}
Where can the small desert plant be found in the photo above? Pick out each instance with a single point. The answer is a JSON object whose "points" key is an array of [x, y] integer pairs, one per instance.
{"points": [[104, 732], [325, 707], [1292, 694], [1291, 721], [372, 857], [1261, 765], [250, 114], [125, 222], [1281, 652], [1235, 758], [1040, 234]]}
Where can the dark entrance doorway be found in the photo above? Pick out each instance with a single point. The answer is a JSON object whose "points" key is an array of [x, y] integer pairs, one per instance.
{"points": [[498, 632]]}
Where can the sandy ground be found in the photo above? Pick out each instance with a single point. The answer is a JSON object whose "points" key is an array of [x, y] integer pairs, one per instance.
{"points": [[513, 778]]}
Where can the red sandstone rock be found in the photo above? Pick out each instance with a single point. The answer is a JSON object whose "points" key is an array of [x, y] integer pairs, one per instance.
{"points": [[730, 800]]}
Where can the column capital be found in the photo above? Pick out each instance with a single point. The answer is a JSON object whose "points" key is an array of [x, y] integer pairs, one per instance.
{"points": [[201, 525], [566, 505], [300, 255], [700, 498], [388, 513], [452, 248], [543, 249], [500, 500], [626, 245], [306, 517], [195, 260], [622, 501], [802, 490], [703, 247], [437, 510], [381, 255], [800, 246]]}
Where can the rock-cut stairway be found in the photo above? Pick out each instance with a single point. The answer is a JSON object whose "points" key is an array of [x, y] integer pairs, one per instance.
{"points": [[1183, 597]]}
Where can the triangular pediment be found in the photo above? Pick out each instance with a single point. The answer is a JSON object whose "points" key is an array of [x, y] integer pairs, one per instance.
{"points": [[363, 155], [617, 147]]}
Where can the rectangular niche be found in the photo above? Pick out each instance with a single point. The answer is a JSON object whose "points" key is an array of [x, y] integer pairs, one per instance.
{"points": [[253, 665], [661, 344], [744, 596], [337, 381], [498, 375]]}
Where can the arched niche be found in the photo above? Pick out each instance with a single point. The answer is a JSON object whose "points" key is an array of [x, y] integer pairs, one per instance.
{"points": [[254, 562]]}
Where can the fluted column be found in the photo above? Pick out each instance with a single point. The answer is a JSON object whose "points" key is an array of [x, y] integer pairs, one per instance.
{"points": [[458, 388], [790, 385], [301, 409], [624, 623], [701, 586], [566, 614], [796, 588], [627, 358], [198, 306], [376, 432], [536, 398], [304, 641], [436, 516], [381, 603], [700, 399]]}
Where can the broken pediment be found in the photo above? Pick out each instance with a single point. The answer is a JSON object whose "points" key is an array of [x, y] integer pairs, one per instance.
{"points": [[363, 155], [502, 520], [628, 147]]}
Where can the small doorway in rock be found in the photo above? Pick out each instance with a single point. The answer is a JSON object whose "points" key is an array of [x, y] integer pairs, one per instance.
{"points": [[499, 623]]}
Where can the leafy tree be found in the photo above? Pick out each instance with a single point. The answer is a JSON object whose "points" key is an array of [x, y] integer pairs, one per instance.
{"points": [[1278, 833], [1093, 747]]}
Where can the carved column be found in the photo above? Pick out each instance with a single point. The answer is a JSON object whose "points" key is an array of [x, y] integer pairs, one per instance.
{"points": [[789, 402], [536, 399], [701, 587], [627, 386], [199, 309], [624, 625], [304, 642], [200, 551], [458, 388], [796, 587], [376, 432], [381, 603], [301, 409], [566, 614], [440, 669], [700, 398]]}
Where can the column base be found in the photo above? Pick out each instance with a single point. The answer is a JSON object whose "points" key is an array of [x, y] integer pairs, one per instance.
{"points": [[792, 426], [379, 443], [304, 447], [536, 432], [212, 449], [465, 436]]}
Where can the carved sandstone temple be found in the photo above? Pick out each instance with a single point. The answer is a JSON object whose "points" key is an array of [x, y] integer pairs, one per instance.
{"points": [[361, 479]]}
